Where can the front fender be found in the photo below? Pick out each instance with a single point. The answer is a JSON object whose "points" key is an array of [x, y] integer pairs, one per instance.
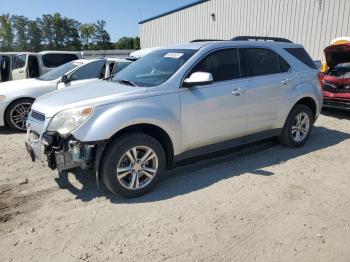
{"points": [[107, 120]]}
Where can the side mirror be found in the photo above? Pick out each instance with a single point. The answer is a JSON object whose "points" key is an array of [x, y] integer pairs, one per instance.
{"points": [[65, 79], [199, 78]]}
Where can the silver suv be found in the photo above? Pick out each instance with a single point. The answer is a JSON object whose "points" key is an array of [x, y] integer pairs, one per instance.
{"points": [[175, 103]]}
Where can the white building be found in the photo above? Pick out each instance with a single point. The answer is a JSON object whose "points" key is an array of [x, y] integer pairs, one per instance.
{"points": [[313, 23]]}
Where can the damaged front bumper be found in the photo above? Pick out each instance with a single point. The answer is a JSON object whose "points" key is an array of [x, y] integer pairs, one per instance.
{"points": [[61, 153]]}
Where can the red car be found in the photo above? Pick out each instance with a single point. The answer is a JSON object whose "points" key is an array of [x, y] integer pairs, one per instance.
{"points": [[336, 80]]}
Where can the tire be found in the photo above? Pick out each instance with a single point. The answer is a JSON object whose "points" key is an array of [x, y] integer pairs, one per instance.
{"points": [[290, 137], [133, 178], [17, 113]]}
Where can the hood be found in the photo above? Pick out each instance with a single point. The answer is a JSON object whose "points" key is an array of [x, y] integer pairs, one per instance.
{"points": [[94, 93], [17, 85], [337, 54]]}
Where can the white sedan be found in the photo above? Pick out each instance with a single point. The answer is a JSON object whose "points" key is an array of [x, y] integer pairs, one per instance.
{"points": [[17, 97]]}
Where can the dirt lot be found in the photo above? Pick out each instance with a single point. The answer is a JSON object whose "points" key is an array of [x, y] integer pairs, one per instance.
{"points": [[261, 202]]}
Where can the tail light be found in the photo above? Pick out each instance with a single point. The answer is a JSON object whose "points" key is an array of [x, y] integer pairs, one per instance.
{"points": [[320, 77]]}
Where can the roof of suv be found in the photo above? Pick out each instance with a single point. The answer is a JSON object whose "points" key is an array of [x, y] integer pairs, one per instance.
{"points": [[198, 45]]}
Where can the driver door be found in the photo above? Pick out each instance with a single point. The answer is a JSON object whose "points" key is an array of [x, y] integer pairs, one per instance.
{"points": [[215, 112]]}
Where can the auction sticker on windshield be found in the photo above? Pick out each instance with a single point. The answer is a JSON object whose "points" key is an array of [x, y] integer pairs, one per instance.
{"points": [[173, 55]]}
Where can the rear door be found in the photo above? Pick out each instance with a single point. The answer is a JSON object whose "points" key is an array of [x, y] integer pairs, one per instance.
{"points": [[20, 70], [269, 80]]}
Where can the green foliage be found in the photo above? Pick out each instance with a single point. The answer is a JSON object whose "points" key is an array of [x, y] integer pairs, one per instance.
{"points": [[55, 32]]}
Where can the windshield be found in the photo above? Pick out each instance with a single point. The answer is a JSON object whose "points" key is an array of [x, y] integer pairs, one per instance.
{"points": [[59, 71], [154, 68]]}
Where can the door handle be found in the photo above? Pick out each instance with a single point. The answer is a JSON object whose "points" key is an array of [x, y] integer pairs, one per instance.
{"points": [[20, 71], [286, 81], [237, 92]]}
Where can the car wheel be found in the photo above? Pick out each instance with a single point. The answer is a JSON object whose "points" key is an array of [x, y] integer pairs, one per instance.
{"points": [[17, 113], [132, 164], [298, 127]]}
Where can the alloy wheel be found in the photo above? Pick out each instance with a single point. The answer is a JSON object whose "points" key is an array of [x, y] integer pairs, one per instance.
{"points": [[300, 127], [19, 115], [137, 167]]}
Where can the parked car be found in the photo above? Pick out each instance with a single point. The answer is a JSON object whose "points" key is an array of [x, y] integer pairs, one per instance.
{"points": [[16, 97], [336, 80], [337, 41], [175, 103], [32, 65]]}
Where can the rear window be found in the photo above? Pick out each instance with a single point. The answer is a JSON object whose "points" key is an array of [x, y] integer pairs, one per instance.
{"points": [[302, 56], [55, 60]]}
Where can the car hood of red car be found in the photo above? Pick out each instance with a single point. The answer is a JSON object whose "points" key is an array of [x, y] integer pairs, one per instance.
{"points": [[337, 54]]}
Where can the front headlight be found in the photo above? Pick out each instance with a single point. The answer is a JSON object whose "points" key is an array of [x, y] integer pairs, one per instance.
{"points": [[2, 98], [66, 121]]}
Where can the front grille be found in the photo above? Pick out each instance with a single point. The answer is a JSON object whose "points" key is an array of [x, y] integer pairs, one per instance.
{"points": [[37, 115]]}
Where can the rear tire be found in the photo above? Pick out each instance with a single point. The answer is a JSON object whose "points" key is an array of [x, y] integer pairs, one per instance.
{"points": [[132, 165], [298, 127], [17, 113]]}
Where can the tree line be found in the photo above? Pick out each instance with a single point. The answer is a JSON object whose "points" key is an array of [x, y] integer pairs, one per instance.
{"points": [[56, 32]]}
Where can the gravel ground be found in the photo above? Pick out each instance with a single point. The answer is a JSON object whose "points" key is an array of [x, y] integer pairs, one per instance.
{"points": [[261, 202]]}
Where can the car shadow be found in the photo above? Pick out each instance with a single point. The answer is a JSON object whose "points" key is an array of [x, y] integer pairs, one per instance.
{"points": [[199, 173], [4, 130], [336, 113]]}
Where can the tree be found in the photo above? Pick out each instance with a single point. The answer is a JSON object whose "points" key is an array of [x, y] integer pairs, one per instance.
{"points": [[46, 25], [102, 38], [128, 43], [20, 23], [34, 35], [87, 32], [6, 33]]}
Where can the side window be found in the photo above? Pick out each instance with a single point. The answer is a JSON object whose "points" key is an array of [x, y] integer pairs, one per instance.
{"points": [[121, 66], [91, 70], [302, 55], [222, 64], [260, 61], [20, 61], [55, 60]]}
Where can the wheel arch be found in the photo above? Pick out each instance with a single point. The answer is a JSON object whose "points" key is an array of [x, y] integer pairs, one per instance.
{"points": [[309, 102], [11, 103], [154, 131]]}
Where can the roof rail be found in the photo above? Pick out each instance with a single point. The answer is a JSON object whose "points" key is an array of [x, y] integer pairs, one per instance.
{"points": [[205, 40], [261, 38]]}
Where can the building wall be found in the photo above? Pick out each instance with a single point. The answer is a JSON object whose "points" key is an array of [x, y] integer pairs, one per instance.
{"points": [[313, 23]]}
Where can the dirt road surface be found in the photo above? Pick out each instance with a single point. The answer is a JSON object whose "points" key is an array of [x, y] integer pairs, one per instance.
{"points": [[261, 202]]}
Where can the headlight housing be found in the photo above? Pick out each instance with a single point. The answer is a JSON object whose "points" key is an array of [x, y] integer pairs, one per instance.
{"points": [[66, 121], [2, 98]]}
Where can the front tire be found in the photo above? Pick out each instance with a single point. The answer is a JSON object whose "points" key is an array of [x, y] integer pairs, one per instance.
{"points": [[298, 127], [132, 164], [17, 113]]}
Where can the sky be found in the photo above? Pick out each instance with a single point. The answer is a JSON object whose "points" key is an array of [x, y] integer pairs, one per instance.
{"points": [[122, 16]]}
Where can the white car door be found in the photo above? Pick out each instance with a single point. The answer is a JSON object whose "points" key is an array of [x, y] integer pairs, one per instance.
{"points": [[268, 83], [19, 70], [214, 112], [86, 73]]}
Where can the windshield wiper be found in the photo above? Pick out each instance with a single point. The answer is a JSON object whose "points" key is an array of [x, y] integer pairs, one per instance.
{"points": [[126, 82]]}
